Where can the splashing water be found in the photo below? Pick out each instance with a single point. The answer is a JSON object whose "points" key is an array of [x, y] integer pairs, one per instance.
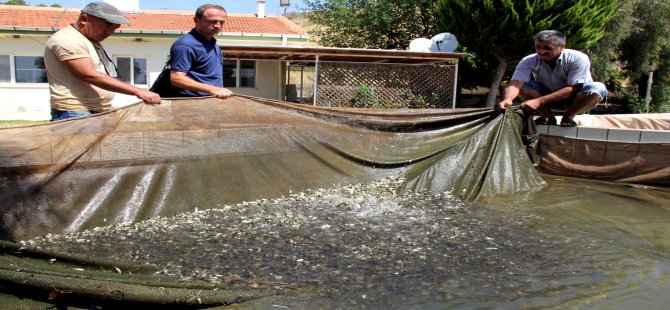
{"points": [[370, 245]]}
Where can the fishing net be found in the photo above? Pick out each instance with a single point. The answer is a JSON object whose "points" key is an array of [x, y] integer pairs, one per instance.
{"points": [[142, 162]]}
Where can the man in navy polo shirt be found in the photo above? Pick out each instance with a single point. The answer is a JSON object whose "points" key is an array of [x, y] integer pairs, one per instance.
{"points": [[195, 58]]}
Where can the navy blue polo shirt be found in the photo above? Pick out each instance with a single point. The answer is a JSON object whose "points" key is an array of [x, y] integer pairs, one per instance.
{"points": [[199, 58]]}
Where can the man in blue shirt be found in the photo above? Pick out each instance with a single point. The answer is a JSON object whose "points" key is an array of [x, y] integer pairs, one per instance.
{"points": [[195, 58], [554, 77]]}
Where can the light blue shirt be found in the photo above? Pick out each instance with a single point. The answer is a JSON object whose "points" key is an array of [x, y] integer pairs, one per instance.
{"points": [[572, 67]]}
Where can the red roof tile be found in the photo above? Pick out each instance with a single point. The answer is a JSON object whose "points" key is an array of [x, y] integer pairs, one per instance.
{"points": [[42, 17]]}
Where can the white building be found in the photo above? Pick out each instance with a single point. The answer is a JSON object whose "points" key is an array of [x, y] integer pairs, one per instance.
{"points": [[139, 51]]}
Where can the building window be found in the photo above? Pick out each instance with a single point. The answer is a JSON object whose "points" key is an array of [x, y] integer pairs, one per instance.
{"points": [[229, 73], [132, 70], [5, 69], [247, 73], [246, 76], [30, 69]]}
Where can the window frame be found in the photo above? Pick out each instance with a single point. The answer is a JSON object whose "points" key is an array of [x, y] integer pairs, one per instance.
{"points": [[238, 67], [15, 72], [12, 79], [132, 69], [12, 69]]}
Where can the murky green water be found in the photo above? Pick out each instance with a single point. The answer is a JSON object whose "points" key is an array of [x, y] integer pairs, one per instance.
{"points": [[600, 245], [574, 244]]}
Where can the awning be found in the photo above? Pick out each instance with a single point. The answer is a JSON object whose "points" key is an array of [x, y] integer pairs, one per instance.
{"points": [[313, 54]]}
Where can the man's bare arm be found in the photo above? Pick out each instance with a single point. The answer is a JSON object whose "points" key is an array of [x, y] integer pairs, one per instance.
{"points": [[511, 91], [83, 67]]}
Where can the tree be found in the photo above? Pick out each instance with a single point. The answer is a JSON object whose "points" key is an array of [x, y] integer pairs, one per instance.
{"points": [[647, 47], [55, 5], [23, 2], [604, 55], [503, 29], [15, 2], [385, 24]]}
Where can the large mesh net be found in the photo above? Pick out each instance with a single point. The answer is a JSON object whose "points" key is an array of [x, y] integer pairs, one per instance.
{"points": [[142, 162]]}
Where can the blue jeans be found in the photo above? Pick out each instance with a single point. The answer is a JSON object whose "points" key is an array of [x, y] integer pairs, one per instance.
{"points": [[57, 115], [588, 88]]}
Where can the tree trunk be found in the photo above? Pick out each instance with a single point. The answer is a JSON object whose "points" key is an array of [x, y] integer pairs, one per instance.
{"points": [[647, 95], [497, 79]]}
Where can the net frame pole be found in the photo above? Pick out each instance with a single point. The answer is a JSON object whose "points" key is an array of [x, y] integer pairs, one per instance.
{"points": [[453, 97], [288, 80], [316, 79], [302, 81]]}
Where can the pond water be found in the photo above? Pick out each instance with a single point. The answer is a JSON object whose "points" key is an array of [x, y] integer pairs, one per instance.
{"points": [[601, 245], [574, 243]]}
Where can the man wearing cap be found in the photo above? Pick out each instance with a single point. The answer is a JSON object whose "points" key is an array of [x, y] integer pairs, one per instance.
{"points": [[195, 58], [78, 68]]}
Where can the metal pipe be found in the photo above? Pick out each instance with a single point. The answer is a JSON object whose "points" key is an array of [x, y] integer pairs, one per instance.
{"points": [[316, 78], [302, 80], [453, 99]]}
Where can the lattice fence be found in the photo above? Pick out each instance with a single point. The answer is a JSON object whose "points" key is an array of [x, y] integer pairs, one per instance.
{"points": [[385, 85]]}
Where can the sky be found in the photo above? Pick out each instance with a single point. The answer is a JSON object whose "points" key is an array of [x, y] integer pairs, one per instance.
{"points": [[231, 6]]}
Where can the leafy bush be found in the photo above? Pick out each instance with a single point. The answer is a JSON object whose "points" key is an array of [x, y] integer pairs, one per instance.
{"points": [[364, 97]]}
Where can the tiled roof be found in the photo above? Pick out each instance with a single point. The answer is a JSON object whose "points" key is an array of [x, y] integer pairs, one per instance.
{"points": [[156, 20]]}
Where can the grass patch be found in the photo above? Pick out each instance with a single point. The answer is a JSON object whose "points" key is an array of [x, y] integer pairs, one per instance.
{"points": [[14, 123]]}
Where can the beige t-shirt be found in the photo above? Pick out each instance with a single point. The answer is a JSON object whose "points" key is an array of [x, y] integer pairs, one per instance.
{"points": [[68, 91]]}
